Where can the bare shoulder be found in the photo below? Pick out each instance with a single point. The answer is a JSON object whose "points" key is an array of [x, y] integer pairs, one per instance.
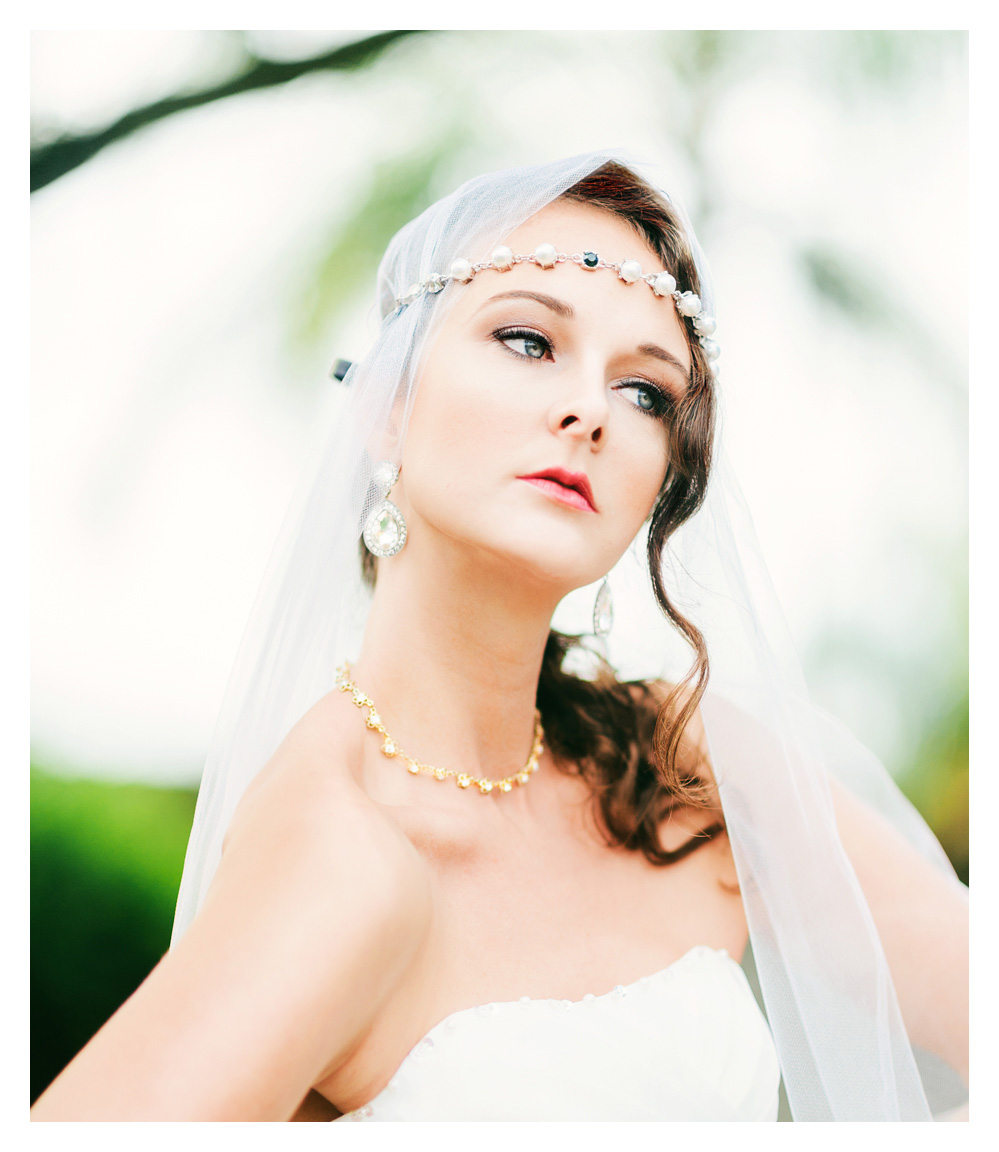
{"points": [[318, 886], [887, 864], [307, 821], [322, 749]]}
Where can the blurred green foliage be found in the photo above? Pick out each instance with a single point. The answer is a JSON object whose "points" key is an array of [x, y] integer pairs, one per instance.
{"points": [[398, 190], [936, 780], [106, 861], [859, 62], [847, 283]]}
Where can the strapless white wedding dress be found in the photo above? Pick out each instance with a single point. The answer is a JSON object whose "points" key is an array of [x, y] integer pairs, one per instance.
{"points": [[688, 1043]]}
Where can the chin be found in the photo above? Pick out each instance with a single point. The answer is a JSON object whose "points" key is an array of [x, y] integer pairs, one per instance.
{"points": [[559, 560], [559, 550]]}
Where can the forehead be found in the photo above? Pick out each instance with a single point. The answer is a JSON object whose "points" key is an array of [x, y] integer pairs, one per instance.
{"points": [[574, 227]]}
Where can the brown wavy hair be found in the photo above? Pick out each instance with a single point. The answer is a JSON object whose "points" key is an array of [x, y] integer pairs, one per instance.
{"points": [[625, 738]]}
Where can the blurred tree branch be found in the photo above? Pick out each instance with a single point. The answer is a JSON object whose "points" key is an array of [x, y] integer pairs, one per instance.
{"points": [[51, 160]]}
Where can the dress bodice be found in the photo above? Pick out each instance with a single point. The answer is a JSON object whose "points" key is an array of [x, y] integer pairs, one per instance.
{"points": [[687, 1043]]}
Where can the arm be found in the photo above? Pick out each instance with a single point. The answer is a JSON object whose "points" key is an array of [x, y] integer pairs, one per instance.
{"points": [[920, 911], [315, 912], [922, 918]]}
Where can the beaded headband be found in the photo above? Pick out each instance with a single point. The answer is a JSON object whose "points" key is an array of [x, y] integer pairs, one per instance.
{"points": [[688, 304]]}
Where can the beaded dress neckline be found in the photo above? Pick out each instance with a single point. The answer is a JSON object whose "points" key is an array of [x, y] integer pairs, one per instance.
{"points": [[686, 1042]]}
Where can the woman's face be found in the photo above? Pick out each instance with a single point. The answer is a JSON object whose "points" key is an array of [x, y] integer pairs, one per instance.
{"points": [[539, 429]]}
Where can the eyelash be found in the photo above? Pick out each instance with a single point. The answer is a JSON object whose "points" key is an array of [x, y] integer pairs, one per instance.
{"points": [[662, 400]]}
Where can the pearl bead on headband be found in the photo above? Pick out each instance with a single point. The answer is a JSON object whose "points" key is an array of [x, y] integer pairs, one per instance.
{"points": [[688, 304]]}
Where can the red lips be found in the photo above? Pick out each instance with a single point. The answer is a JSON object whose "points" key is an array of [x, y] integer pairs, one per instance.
{"points": [[569, 481]]}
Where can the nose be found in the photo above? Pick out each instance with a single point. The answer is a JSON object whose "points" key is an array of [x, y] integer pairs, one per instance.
{"points": [[581, 410]]}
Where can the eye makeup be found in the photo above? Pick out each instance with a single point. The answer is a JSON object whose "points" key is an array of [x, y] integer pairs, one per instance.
{"points": [[661, 400], [527, 337]]}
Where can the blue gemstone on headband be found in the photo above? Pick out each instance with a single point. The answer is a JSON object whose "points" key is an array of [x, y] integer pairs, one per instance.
{"points": [[590, 259]]}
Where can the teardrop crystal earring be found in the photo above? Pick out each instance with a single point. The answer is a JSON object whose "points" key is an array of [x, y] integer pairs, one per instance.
{"points": [[603, 610], [385, 529]]}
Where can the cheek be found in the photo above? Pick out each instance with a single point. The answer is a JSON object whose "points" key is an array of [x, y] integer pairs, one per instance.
{"points": [[643, 469], [481, 410], [458, 433]]}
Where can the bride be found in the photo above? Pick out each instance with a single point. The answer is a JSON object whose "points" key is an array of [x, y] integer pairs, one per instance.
{"points": [[474, 873]]}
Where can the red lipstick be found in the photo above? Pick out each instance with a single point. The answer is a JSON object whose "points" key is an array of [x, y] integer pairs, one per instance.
{"points": [[571, 488]]}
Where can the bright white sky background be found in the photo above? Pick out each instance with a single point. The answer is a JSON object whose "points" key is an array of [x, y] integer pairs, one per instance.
{"points": [[169, 418]]}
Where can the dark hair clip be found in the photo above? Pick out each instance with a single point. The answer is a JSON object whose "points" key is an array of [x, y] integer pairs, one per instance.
{"points": [[340, 369]]}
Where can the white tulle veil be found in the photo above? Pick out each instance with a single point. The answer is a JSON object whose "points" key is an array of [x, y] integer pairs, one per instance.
{"points": [[825, 982]]}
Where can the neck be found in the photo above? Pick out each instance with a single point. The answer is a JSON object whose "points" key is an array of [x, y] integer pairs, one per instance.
{"points": [[451, 656]]}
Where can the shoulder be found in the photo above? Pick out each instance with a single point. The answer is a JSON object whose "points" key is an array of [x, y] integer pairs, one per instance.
{"points": [[308, 819], [886, 861], [315, 916]]}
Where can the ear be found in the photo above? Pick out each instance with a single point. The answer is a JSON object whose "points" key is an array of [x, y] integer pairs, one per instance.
{"points": [[386, 443]]}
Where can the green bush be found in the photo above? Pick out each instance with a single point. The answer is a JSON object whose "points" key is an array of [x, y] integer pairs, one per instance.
{"points": [[106, 861]]}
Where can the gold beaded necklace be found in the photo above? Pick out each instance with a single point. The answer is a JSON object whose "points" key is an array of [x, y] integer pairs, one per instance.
{"points": [[391, 749]]}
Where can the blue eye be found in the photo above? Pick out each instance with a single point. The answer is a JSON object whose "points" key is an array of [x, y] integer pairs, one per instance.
{"points": [[647, 397], [524, 342], [533, 348]]}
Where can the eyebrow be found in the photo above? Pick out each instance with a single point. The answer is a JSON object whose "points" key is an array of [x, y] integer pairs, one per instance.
{"points": [[667, 357], [559, 307]]}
